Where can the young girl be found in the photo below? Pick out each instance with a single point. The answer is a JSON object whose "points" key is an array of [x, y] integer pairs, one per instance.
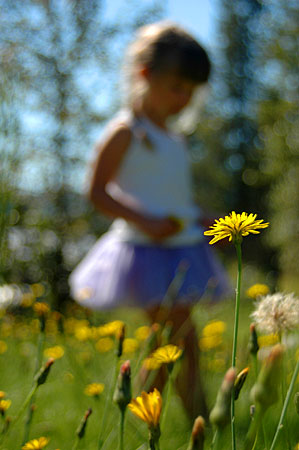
{"points": [[142, 178]]}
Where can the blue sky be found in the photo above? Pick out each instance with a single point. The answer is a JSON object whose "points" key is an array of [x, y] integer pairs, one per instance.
{"points": [[197, 16]]}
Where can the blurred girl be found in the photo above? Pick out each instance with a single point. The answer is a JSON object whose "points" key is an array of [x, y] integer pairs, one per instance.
{"points": [[141, 178]]}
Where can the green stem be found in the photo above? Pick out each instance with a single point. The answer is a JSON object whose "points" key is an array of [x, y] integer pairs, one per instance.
{"points": [[217, 442], [76, 444], [167, 399], [236, 326], [25, 404], [39, 357], [121, 429], [285, 406], [108, 402]]}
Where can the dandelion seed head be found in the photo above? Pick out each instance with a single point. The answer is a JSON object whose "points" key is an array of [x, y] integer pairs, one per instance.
{"points": [[277, 313]]}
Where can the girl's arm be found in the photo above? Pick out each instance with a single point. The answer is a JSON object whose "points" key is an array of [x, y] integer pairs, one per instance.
{"points": [[110, 155]]}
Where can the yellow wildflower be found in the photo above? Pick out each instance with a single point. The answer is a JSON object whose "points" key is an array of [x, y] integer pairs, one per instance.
{"points": [[104, 344], [207, 343], [94, 389], [257, 290], [214, 327], [167, 354], [235, 226], [36, 444], [55, 352], [4, 405], [147, 407], [27, 299], [142, 333], [268, 340], [38, 289], [41, 308], [130, 345], [151, 363], [111, 328], [82, 333], [3, 347], [2, 395]]}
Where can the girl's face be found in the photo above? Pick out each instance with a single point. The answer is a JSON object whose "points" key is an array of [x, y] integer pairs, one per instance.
{"points": [[168, 94]]}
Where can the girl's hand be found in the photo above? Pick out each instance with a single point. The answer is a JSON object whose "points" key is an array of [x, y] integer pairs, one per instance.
{"points": [[159, 229]]}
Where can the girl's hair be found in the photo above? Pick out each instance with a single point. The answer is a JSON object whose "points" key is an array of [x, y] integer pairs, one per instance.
{"points": [[164, 47]]}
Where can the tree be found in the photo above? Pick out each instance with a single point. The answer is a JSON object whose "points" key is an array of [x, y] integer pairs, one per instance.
{"points": [[63, 50]]}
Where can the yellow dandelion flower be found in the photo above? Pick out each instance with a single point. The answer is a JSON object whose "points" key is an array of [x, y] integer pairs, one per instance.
{"points": [[235, 226], [94, 389], [82, 333], [214, 327], [167, 354], [27, 299], [147, 407], [41, 308], [268, 340], [151, 364], [2, 395], [38, 289], [4, 405], [104, 344], [130, 345], [55, 352], [257, 290], [3, 347], [36, 444], [111, 328], [207, 343], [142, 333]]}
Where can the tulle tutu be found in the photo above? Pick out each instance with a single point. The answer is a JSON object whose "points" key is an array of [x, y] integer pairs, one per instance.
{"points": [[116, 273]]}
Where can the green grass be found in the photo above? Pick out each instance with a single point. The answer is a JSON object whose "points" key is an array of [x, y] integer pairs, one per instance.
{"points": [[61, 402]]}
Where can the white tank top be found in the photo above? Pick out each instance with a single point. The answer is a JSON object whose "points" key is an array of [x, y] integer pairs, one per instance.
{"points": [[154, 178]]}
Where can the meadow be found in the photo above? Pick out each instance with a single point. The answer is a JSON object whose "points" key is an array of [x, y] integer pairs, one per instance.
{"points": [[84, 346]]}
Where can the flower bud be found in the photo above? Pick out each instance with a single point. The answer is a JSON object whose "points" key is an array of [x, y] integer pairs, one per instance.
{"points": [[220, 414], [253, 345], [197, 435], [240, 380], [81, 428], [122, 394], [42, 374], [265, 391], [121, 337]]}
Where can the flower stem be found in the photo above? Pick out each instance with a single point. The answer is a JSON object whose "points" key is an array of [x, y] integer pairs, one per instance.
{"points": [[285, 406], [121, 429], [108, 401], [39, 357], [217, 442], [236, 325], [76, 444], [167, 399]]}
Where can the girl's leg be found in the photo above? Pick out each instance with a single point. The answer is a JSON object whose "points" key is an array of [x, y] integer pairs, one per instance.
{"points": [[188, 382]]}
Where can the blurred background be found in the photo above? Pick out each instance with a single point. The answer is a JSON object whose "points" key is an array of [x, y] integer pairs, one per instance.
{"points": [[60, 62]]}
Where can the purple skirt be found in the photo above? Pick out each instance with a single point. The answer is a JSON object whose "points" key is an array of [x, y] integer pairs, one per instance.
{"points": [[116, 273]]}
